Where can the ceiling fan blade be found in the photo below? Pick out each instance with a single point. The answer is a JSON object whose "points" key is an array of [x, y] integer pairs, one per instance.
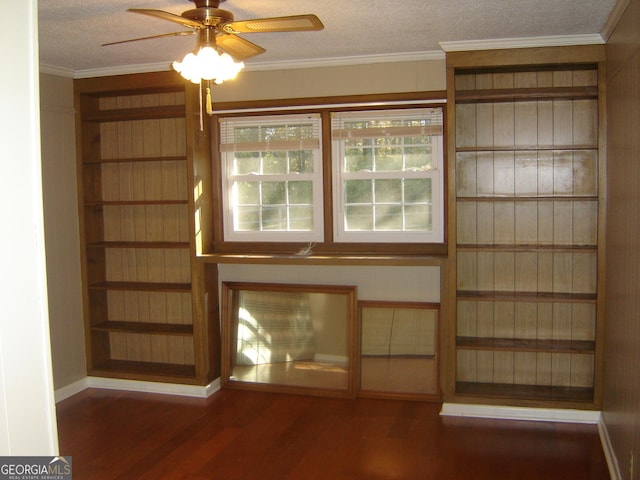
{"points": [[174, 34], [295, 23], [167, 16], [239, 48]]}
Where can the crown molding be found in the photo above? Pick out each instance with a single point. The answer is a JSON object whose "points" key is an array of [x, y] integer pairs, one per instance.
{"points": [[347, 61], [122, 70], [523, 42], [257, 66], [57, 71], [614, 18]]}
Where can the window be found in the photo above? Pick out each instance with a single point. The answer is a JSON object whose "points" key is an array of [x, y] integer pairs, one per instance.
{"points": [[272, 166], [388, 179], [384, 182]]}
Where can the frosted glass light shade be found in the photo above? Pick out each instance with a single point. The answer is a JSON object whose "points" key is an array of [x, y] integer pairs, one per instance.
{"points": [[208, 64]]}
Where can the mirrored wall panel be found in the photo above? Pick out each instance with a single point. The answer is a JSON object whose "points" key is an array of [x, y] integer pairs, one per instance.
{"points": [[398, 350], [289, 337]]}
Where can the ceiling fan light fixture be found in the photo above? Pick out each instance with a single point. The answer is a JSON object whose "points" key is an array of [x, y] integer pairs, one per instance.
{"points": [[208, 64]]}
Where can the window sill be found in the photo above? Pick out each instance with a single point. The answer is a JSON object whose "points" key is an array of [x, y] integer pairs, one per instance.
{"points": [[323, 259]]}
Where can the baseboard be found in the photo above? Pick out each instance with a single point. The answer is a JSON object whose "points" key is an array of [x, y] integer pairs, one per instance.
{"points": [[198, 391], [520, 413], [609, 453], [71, 389]]}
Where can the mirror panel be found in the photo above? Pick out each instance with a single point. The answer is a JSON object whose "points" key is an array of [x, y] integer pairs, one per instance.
{"points": [[289, 337], [398, 350]]}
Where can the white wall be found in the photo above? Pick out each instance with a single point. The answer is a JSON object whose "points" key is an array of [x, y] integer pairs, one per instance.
{"points": [[27, 410], [391, 283], [60, 194]]}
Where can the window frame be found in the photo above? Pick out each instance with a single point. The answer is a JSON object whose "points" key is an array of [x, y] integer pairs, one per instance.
{"points": [[340, 233], [229, 180], [328, 247]]}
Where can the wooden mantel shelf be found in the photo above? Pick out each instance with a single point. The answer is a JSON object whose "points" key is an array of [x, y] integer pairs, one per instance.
{"points": [[269, 259]]}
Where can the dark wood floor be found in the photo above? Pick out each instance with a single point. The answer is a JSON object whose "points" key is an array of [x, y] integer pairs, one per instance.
{"points": [[251, 435]]}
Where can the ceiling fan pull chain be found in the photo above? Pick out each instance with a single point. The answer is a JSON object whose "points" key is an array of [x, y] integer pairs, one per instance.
{"points": [[200, 96], [209, 106]]}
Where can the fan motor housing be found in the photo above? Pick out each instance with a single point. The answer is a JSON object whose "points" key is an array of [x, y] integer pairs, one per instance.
{"points": [[209, 15], [207, 3]]}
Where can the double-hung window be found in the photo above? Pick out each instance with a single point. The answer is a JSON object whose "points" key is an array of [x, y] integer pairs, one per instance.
{"points": [[388, 179], [272, 169]]}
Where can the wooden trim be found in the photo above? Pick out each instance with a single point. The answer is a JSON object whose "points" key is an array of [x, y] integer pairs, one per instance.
{"points": [[315, 102], [526, 392], [142, 286], [364, 260], [131, 84], [142, 113], [526, 345], [543, 57], [139, 327], [495, 296], [526, 94]]}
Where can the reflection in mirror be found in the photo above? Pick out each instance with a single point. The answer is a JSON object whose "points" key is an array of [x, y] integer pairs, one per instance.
{"points": [[284, 337], [398, 356]]}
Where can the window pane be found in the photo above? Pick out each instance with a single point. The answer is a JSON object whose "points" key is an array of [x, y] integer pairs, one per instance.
{"points": [[417, 190], [274, 218], [248, 219], [418, 158], [300, 193], [388, 191], [301, 161], [248, 193], [274, 163], [388, 217], [246, 162], [359, 217], [301, 218], [358, 159], [273, 193], [388, 159], [418, 218], [359, 191]]}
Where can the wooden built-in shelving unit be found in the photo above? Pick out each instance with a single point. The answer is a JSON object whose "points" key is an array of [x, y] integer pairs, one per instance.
{"points": [[144, 307], [526, 226]]}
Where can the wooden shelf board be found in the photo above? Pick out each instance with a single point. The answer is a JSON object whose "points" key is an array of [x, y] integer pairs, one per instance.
{"points": [[527, 198], [400, 356], [148, 328], [135, 202], [142, 286], [99, 161], [126, 368], [495, 296], [129, 114], [526, 392], [526, 94], [526, 345], [524, 148], [468, 247], [138, 244]]}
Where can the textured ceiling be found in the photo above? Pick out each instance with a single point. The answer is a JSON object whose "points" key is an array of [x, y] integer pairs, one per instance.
{"points": [[71, 31]]}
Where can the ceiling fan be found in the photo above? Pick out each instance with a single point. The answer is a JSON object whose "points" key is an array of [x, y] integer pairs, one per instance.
{"points": [[217, 28]]}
